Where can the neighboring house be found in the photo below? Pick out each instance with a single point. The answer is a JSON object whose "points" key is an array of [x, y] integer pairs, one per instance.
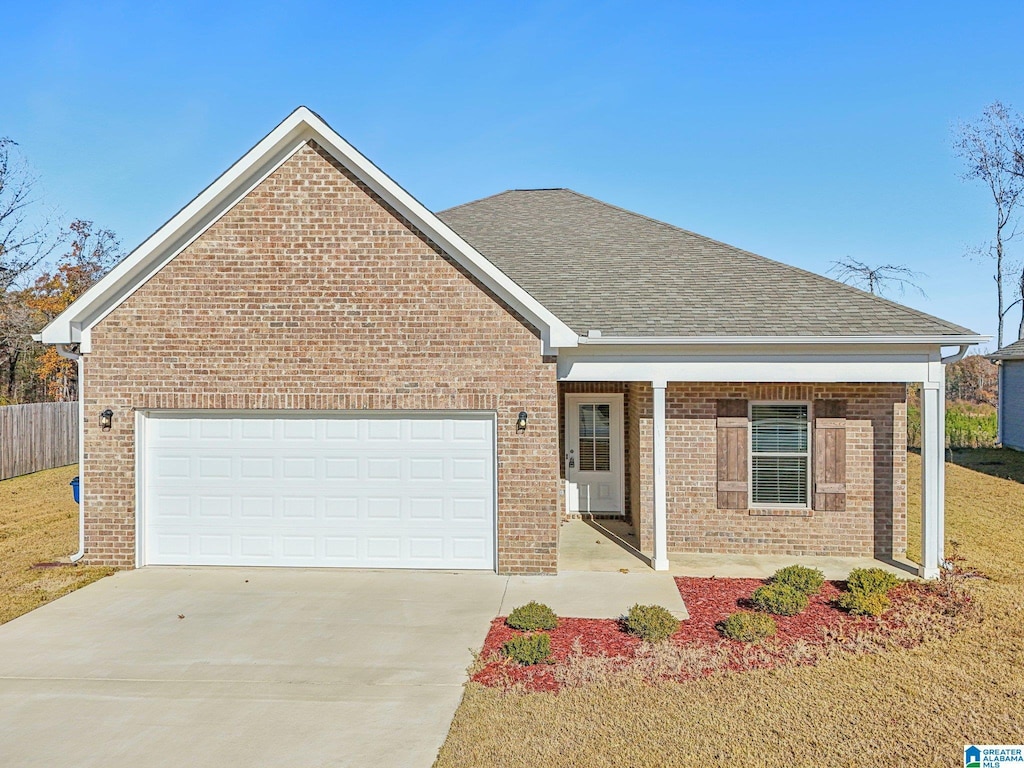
{"points": [[1010, 360], [306, 367]]}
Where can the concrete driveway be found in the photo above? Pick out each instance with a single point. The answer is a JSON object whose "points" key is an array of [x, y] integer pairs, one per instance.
{"points": [[267, 667]]}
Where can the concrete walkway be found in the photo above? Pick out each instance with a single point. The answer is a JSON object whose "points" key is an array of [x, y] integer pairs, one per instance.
{"points": [[763, 566], [595, 595], [604, 546]]}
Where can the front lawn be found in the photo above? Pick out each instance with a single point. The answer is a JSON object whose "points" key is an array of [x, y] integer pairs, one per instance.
{"points": [[39, 524], [916, 706]]}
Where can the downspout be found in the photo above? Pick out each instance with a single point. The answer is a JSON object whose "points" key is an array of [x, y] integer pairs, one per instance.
{"points": [[957, 356], [63, 351]]}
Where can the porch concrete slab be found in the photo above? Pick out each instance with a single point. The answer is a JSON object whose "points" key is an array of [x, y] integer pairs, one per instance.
{"points": [[243, 666], [763, 566], [594, 594], [598, 545]]}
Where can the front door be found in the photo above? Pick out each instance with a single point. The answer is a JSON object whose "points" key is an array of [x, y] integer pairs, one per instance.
{"points": [[593, 454]]}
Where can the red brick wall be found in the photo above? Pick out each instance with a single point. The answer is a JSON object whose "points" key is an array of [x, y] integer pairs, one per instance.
{"points": [[873, 523], [312, 294]]}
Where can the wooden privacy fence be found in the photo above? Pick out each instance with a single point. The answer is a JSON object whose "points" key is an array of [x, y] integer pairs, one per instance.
{"points": [[37, 436]]}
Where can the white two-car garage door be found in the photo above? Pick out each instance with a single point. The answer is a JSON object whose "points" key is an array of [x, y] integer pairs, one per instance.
{"points": [[315, 489]]}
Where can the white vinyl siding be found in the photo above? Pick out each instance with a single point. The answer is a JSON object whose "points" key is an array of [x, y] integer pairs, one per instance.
{"points": [[779, 454]]}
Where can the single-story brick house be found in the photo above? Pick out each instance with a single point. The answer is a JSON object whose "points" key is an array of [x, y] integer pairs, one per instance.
{"points": [[306, 367], [1010, 360]]}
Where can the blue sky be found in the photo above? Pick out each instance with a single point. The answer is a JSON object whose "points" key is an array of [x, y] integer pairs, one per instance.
{"points": [[806, 132]]}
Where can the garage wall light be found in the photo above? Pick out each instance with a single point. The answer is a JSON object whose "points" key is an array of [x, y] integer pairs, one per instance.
{"points": [[106, 419], [521, 422]]}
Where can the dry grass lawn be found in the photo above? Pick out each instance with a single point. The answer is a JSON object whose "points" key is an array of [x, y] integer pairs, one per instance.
{"points": [[910, 707], [39, 524]]}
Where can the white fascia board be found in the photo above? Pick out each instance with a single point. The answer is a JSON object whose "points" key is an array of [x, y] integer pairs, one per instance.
{"points": [[72, 325], [685, 341], [778, 363]]}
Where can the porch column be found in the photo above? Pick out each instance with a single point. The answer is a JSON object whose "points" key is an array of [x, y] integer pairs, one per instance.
{"points": [[660, 560], [933, 471]]}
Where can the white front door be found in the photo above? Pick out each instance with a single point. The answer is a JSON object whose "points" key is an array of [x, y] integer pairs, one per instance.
{"points": [[595, 478]]}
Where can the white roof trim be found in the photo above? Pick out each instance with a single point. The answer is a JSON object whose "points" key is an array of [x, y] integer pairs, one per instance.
{"points": [[73, 324], [682, 341]]}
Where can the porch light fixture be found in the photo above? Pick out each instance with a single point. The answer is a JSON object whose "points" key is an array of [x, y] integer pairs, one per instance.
{"points": [[106, 419], [521, 422]]}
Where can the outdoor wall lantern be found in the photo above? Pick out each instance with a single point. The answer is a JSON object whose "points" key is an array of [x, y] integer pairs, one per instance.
{"points": [[521, 422], [106, 419]]}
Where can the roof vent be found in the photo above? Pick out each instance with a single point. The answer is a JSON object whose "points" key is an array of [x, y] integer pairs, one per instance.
{"points": [[593, 333]]}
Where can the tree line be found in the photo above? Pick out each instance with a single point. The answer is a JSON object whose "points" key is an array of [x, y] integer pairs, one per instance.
{"points": [[45, 265]]}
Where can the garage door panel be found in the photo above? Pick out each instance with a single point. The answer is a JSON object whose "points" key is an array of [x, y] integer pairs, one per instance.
{"points": [[415, 492]]}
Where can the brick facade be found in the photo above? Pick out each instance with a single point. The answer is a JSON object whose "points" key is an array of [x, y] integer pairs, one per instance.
{"points": [[313, 294], [874, 523]]}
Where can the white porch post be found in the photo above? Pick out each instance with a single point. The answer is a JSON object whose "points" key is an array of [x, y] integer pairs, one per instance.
{"points": [[933, 470], [660, 561]]}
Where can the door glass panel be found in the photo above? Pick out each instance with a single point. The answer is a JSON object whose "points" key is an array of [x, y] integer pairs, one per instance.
{"points": [[586, 420], [595, 437]]}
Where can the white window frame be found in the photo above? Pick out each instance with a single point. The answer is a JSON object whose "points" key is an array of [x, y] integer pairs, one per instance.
{"points": [[750, 454]]}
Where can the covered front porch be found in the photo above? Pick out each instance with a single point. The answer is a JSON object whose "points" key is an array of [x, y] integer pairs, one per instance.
{"points": [[605, 545], [679, 492]]}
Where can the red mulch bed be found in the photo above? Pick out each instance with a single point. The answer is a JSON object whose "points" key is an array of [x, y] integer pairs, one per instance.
{"points": [[709, 601]]}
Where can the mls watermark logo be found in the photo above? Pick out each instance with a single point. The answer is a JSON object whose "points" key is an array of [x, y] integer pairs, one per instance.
{"points": [[994, 756]]}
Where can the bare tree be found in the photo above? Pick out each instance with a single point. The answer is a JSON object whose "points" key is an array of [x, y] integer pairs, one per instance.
{"points": [[992, 148], [877, 280], [24, 240]]}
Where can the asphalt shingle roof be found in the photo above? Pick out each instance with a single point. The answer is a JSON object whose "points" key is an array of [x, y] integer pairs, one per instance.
{"points": [[599, 267], [1013, 351]]}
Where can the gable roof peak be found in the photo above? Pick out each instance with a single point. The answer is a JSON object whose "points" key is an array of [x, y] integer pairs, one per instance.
{"points": [[291, 134]]}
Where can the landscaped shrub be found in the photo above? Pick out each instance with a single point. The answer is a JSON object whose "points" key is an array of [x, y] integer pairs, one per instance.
{"points": [[532, 616], [800, 578], [871, 581], [780, 599], [651, 622], [748, 627], [528, 649], [864, 603]]}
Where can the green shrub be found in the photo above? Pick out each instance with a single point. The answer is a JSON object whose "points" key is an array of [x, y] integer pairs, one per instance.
{"points": [[532, 616], [864, 603], [800, 578], [651, 622], [528, 649], [871, 581], [780, 599], [748, 627], [966, 426]]}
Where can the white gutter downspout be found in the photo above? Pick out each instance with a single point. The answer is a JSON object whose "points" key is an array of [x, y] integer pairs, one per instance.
{"points": [[62, 350], [957, 356]]}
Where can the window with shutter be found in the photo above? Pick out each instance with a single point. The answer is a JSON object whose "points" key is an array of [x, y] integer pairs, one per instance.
{"points": [[779, 454]]}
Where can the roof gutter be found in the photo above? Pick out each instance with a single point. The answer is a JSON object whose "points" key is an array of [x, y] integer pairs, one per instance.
{"points": [[964, 341], [63, 351]]}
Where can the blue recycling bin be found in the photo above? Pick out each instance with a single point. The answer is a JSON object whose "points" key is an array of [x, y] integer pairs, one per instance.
{"points": [[74, 489]]}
